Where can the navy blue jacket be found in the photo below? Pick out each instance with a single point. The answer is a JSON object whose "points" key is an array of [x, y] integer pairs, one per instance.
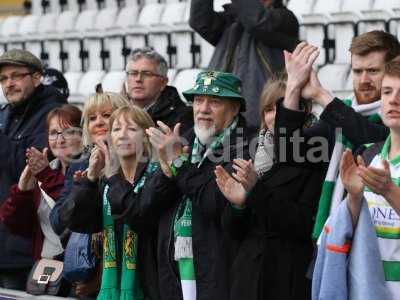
{"points": [[21, 127], [58, 225]]}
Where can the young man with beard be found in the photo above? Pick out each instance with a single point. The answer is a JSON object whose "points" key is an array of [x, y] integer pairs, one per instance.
{"points": [[357, 118], [194, 254], [373, 194], [22, 125]]}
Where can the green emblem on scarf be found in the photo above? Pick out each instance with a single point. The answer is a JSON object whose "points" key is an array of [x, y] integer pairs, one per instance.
{"points": [[119, 280], [130, 249], [110, 259]]}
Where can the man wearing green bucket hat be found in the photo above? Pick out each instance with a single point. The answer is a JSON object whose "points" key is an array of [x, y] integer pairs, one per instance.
{"points": [[191, 202]]}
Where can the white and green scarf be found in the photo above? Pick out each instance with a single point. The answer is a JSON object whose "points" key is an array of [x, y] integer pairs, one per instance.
{"points": [[332, 188], [264, 158], [183, 254], [119, 279]]}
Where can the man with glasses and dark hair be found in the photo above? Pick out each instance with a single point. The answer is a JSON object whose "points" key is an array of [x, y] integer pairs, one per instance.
{"points": [[146, 86], [22, 125]]}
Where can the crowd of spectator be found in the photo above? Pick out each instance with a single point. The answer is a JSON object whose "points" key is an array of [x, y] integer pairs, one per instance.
{"points": [[236, 192]]}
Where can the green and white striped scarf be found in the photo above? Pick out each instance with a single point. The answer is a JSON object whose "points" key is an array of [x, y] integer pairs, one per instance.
{"points": [[332, 188], [183, 254], [119, 282]]}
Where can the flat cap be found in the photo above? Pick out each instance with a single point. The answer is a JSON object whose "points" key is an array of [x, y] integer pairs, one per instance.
{"points": [[20, 57]]}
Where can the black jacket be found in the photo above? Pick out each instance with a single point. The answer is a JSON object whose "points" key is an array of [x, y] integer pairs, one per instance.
{"points": [[213, 251], [248, 40], [170, 109], [21, 127], [336, 115], [275, 234], [81, 213]]}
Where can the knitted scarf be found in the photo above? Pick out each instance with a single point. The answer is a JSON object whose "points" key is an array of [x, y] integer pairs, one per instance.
{"points": [[332, 188], [119, 279], [264, 158], [183, 254]]}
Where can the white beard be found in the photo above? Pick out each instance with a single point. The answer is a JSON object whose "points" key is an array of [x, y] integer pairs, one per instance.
{"points": [[205, 135]]}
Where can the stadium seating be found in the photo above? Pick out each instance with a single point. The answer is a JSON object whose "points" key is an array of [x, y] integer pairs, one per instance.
{"points": [[9, 29], [77, 54], [115, 36], [54, 42], [150, 16], [301, 7], [34, 42], [184, 80], [113, 81], [90, 41], [159, 36], [94, 42], [27, 27]]}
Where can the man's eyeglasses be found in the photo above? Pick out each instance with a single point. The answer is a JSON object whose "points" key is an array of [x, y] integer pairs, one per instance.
{"points": [[67, 134], [142, 74], [14, 77]]}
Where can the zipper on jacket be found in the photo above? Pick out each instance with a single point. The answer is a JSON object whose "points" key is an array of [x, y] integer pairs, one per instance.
{"points": [[264, 60]]}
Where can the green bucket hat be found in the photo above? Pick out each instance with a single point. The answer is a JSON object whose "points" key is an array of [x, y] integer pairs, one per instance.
{"points": [[218, 84]]}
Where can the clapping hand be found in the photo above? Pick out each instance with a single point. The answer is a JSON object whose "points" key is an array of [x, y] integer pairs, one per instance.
{"points": [[111, 161], [352, 182], [377, 180], [245, 173], [37, 160], [234, 187], [349, 174], [96, 164], [229, 187], [299, 64], [27, 180], [78, 175], [168, 144]]}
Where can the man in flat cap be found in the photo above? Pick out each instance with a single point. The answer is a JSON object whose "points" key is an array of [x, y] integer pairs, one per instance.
{"points": [[22, 125], [193, 251]]}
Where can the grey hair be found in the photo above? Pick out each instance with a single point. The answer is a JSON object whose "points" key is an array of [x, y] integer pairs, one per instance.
{"points": [[150, 54]]}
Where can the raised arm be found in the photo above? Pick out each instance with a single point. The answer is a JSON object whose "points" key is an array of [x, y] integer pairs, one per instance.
{"points": [[275, 27], [206, 22]]}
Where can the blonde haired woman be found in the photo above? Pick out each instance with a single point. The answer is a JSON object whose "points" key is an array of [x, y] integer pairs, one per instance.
{"points": [[95, 124], [129, 260]]}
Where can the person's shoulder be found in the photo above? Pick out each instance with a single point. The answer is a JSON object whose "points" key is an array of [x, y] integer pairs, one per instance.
{"points": [[171, 94], [172, 99], [49, 95]]}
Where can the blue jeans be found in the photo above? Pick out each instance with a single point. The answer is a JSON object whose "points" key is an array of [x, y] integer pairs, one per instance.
{"points": [[14, 279]]}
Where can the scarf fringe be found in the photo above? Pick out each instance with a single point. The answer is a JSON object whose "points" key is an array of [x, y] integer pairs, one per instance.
{"points": [[183, 248], [109, 294], [127, 295]]}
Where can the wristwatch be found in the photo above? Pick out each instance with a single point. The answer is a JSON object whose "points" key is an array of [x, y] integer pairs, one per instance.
{"points": [[177, 163]]}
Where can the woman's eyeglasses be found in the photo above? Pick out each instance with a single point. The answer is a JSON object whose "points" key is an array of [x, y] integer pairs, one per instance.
{"points": [[67, 134]]}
